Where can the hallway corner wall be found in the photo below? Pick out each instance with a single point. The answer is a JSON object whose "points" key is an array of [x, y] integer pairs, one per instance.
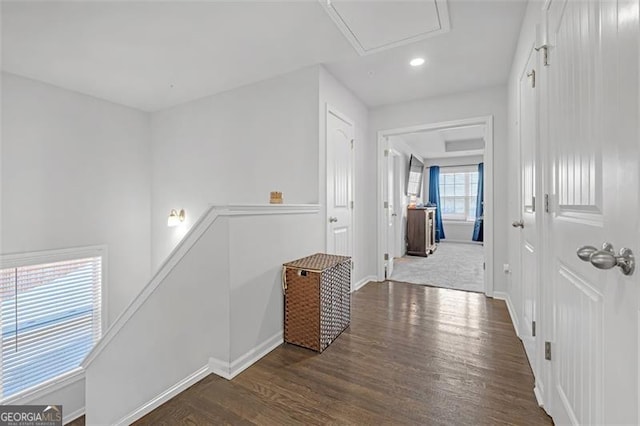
{"points": [[483, 102], [336, 95]]}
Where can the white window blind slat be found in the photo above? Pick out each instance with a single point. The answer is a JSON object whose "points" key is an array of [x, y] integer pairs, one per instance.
{"points": [[50, 318], [35, 343]]}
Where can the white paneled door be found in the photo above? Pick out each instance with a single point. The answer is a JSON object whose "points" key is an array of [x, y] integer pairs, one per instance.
{"points": [[339, 184], [392, 213], [528, 207], [592, 141]]}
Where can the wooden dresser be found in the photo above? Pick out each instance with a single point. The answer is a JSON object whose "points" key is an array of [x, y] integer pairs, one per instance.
{"points": [[421, 231]]}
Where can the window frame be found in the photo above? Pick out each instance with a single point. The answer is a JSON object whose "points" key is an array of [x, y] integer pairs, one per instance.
{"points": [[17, 260], [470, 216]]}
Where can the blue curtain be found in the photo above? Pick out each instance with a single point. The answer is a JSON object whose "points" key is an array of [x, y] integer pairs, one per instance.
{"points": [[434, 198], [478, 227]]}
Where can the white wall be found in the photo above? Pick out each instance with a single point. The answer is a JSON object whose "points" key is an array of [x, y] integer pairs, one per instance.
{"points": [[489, 101], [334, 94], [75, 171], [172, 334], [217, 308], [255, 277], [234, 147]]}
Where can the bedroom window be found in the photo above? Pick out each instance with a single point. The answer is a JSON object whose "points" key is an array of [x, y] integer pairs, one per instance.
{"points": [[50, 315], [458, 194]]}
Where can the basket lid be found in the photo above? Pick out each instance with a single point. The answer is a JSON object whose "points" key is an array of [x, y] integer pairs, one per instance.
{"points": [[318, 261]]}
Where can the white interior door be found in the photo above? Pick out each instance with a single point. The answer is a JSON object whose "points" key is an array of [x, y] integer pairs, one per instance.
{"points": [[339, 184], [593, 147], [398, 193], [392, 214], [528, 207]]}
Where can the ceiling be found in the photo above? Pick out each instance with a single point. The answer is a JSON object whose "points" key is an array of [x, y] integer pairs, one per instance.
{"points": [[152, 55], [446, 143], [373, 26]]}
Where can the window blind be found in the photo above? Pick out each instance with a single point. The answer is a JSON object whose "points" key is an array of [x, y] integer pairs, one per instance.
{"points": [[50, 317]]}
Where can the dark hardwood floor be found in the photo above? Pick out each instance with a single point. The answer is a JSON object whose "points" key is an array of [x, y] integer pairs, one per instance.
{"points": [[412, 355]]}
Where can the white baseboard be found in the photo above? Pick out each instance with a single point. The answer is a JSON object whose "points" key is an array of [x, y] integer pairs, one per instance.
{"points": [[68, 418], [214, 366], [501, 295], [229, 370], [539, 397], [253, 355], [357, 286], [475, 243], [219, 368], [165, 396]]}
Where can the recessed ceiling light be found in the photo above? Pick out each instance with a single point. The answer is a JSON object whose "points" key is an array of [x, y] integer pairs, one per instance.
{"points": [[416, 62]]}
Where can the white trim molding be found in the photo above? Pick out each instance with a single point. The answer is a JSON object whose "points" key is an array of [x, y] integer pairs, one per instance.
{"points": [[226, 370], [184, 246], [46, 388], [537, 391], [500, 295], [165, 396], [357, 286], [229, 370], [253, 355], [444, 27], [68, 418]]}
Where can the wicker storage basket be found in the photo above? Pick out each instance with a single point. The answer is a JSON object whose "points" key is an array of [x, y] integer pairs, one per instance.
{"points": [[317, 300]]}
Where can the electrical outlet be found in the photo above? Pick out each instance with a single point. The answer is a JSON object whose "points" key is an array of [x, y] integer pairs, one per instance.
{"points": [[506, 268]]}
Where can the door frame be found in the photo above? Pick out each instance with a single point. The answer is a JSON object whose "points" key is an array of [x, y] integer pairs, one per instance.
{"points": [[393, 244], [540, 183], [329, 109], [382, 145]]}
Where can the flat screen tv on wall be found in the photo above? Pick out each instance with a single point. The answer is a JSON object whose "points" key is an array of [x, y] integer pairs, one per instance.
{"points": [[414, 176]]}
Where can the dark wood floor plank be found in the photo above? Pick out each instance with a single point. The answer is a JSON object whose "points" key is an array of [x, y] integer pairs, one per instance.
{"points": [[412, 355]]}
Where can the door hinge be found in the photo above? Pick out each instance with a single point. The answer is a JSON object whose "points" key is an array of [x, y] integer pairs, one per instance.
{"points": [[386, 204], [386, 152], [546, 203], [386, 256], [484, 266], [547, 351], [545, 54], [533, 204], [533, 328], [352, 204], [532, 76], [351, 143]]}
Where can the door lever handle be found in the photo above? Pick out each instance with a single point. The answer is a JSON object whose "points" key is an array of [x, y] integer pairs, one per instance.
{"points": [[606, 258], [332, 219], [585, 252], [518, 224]]}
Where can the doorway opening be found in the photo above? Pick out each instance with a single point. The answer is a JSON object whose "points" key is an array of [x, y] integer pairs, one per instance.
{"points": [[435, 184]]}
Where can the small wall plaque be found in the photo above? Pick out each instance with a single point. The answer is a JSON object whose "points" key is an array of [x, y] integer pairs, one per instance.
{"points": [[276, 198]]}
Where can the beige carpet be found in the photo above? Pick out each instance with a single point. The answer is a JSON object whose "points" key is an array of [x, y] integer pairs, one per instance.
{"points": [[453, 265]]}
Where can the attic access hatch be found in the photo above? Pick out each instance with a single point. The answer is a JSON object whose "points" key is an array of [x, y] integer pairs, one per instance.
{"points": [[374, 26]]}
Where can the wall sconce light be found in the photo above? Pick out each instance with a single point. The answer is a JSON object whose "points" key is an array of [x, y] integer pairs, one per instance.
{"points": [[176, 217]]}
